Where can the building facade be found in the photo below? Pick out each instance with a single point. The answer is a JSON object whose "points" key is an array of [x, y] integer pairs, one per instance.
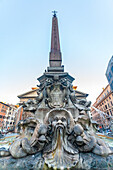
{"points": [[109, 73], [28, 95], [102, 109], [7, 115], [9, 120], [3, 111]]}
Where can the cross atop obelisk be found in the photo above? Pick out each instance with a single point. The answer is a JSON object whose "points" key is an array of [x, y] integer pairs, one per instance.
{"points": [[54, 13]]}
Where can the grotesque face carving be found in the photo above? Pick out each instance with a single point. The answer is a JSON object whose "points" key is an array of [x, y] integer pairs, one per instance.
{"points": [[61, 152], [59, 122], [59, 117]]}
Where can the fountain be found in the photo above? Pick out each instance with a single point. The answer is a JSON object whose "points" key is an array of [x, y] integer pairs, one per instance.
{"points": [[56, 130], [104, 116]]}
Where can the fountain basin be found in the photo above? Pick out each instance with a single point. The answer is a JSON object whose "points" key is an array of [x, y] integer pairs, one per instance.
{"points": [[88, 161]]}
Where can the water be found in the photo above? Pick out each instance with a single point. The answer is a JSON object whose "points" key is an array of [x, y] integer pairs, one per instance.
{"points": [[7, 140], [11, 137], [109, 141]]}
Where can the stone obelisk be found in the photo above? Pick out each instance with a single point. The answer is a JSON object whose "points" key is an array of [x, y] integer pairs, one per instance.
{"points": [[55, 57]]}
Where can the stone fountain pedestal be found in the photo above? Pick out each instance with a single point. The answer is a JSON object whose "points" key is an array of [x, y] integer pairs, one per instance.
{"points": [[88, 161]]}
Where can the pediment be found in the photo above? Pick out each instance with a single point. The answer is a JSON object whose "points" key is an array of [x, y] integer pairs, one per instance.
{"points": [[32, 93]]}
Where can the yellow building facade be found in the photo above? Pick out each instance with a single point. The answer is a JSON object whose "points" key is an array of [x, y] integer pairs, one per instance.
{"points": [[104, 103]]}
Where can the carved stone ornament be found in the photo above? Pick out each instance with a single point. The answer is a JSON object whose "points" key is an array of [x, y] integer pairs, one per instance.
{"points": [[65, 131], [56, 96], [57, 124], [60, 139]]}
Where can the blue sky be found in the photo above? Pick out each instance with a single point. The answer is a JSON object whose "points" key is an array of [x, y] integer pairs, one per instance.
{"points": [[86, 38]]}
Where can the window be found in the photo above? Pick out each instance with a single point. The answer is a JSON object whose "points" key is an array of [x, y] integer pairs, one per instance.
{"points": [[105, 106], [112, 69], [109, 76], [107, 112], [3, 111], [111, 85], [111, 112]]}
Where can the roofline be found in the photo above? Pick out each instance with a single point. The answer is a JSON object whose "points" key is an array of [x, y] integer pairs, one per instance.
{"points": [[96, 105], [26, 93], [28, 97], [102, 92], [81, 92], [5, 104]]}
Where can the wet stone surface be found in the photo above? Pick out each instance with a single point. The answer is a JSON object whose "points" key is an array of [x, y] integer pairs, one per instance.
{"points": [[27, 163], [88, 161]]}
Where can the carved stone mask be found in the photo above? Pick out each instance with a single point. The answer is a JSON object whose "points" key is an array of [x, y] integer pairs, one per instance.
{"points": [[56, 95], [61, 152], [59, 122]]}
